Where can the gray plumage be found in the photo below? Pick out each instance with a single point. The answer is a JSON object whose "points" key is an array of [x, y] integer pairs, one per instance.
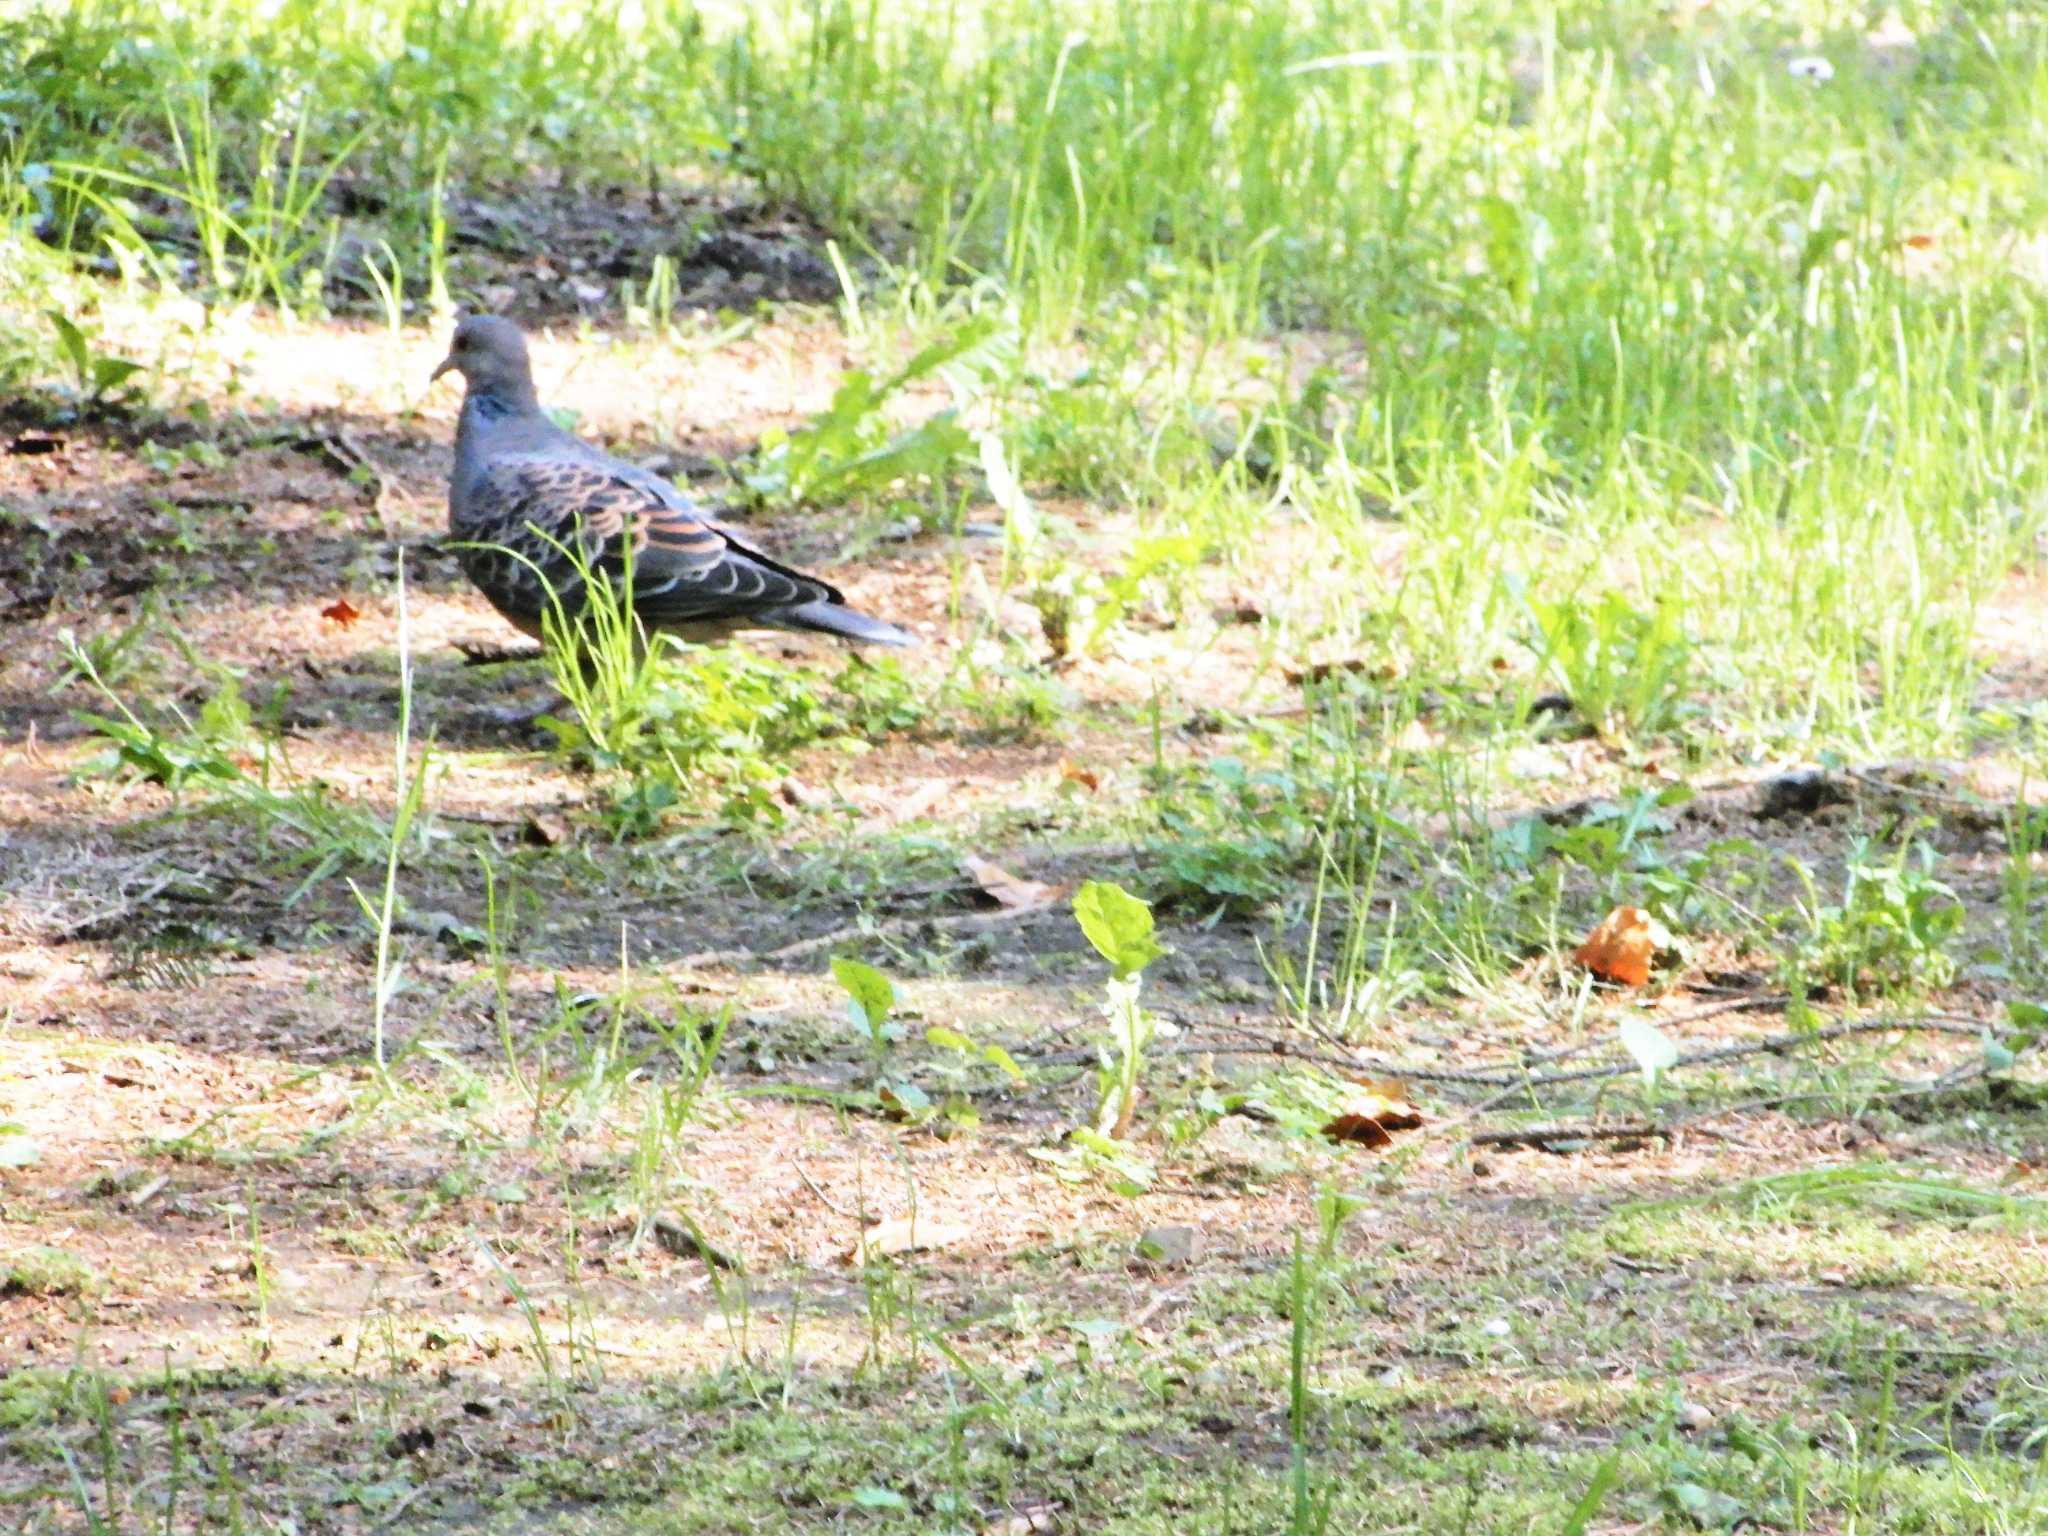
{"points": [[522, 484]]}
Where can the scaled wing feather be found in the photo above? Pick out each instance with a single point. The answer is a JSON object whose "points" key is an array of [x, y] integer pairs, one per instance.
{"points": [[686, 569]]}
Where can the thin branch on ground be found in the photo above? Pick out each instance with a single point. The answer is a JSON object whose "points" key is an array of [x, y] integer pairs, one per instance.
{"points": [[345, 454], [1693, 1122], [1787, 1040], [824, 1199], [1512, 1083], [944, 921], [1548, 1136]]}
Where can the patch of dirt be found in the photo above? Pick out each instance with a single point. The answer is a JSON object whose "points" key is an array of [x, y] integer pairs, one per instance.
{"points": [[543, 252], [357, 1271]]}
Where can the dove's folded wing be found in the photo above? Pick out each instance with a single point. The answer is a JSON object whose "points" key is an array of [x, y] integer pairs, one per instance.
{"points": [[686, 569]]}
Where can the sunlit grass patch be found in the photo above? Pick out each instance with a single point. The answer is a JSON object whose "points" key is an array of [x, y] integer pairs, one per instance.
{"points": [[42, 1269], [1865, 1224]]}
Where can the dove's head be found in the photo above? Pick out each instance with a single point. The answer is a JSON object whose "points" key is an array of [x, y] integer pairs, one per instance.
{"points": [[490, 354]]}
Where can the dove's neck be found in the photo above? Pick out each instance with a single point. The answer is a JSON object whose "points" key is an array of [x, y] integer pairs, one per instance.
{"points": [[494, 402]]}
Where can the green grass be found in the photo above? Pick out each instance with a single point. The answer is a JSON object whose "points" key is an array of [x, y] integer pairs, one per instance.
{"points": [[1625, 318], [1863, 1224]]}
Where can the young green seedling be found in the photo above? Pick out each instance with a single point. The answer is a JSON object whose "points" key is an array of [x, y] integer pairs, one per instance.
{"points": [[1119, 925]]}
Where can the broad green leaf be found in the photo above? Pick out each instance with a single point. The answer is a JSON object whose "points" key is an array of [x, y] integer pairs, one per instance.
{"points": [[1129, 1175], [938, 353], [1507, 251], [949, 1039], [1118, 924], [111, 372], [1650, 1046], [906, 1099], [72, 339], [996, 1056], [1998, 1056], [872, 996], [879, 1498]]}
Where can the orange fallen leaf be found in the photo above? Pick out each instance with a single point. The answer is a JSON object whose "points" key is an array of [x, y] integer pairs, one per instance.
{"points": [[1620, 947], [1009, 891], [1072, 772], [341, 611], [909, 1234], [1916, 242], [1372, 1115], [1359, 1130]]}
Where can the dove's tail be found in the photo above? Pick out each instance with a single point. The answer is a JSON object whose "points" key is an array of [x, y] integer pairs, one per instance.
{"points": [[848, 623]]}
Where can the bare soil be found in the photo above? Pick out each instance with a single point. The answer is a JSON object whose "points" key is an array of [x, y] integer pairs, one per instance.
{"points": [[351, 1278]]}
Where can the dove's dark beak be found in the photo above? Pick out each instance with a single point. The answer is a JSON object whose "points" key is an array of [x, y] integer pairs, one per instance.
{"points": [[446, 364]]}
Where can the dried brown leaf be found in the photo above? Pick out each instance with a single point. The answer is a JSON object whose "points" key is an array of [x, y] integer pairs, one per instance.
{"points": [[1373, 1114], [1012, 892], [909, 1234], [544, 829], [1620, 947]]}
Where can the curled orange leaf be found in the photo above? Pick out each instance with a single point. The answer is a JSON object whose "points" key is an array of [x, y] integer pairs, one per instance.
{"points": [[1621, 946]]}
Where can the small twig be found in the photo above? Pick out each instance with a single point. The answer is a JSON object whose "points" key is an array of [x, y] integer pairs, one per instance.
{"points": [[1745, 1003], [342, 451], [1484, 1077], [1546, 1136], [945, 921], [1156, 1305], [1420, 1074], [681, 1238], [829, 1203], [1513, 1083], [1869, 778], [1765, 1045], [1693, 1123], [391, 1515]]}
